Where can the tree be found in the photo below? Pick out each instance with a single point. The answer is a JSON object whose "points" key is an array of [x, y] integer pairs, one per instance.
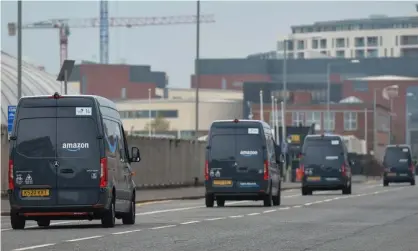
{"points": [[159, 124]]}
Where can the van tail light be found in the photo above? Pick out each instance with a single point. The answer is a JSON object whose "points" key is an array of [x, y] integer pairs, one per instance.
{"points": [[302, 170], [266, 170], [343, 170], [103, 173], [11, 179], [206, 170], [411, 168]]}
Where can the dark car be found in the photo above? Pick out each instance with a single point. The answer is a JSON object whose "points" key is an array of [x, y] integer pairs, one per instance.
{"points": [[242, 163], [69, 159], [398, 165], [325, 164]]}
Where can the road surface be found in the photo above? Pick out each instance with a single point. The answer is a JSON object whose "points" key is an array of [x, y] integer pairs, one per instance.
{"points": [[373, 218]]}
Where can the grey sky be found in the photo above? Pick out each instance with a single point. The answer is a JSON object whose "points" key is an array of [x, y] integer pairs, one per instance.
{"points": [[241, 28]]}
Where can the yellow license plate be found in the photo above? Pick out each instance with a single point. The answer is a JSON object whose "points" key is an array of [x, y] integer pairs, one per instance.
{"points": [[222, 182], [314, 178], [391, 174], [35, 193]]}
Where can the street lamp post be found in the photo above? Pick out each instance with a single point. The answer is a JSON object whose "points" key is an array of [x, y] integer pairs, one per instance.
{"points": [[19, 50], [149, 112]]}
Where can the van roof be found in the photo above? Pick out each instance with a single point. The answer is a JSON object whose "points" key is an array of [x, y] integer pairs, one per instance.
{"points": [[399, 145], [101, 100], [323, 136], [241, 120]]}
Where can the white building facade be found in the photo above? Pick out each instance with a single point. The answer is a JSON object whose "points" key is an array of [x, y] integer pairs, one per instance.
{"points": [[377, 36]]}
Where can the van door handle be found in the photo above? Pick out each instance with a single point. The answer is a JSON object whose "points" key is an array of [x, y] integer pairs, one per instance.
{"points": [[67, 170]]}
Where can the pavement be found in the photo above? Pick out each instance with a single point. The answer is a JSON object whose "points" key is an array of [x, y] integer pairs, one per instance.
{"points": [[373, 218]]}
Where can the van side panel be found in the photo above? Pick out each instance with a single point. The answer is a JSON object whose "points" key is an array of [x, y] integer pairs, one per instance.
{"points": [[33, 154], [78, 152]]}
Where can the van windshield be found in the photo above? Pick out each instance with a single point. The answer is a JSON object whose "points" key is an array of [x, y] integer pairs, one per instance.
{"points": [[320, 152], [36, 138], [397, 156]]}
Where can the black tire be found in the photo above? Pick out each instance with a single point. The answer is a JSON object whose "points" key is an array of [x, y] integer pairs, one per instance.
{"points": [[385, 183], [108, 218], [413, 183], [347, 189], [129, 217], [209, 200], [277, 198], [306, 191], [17, 222], [220, 202], [44, 223], [268, 199]]}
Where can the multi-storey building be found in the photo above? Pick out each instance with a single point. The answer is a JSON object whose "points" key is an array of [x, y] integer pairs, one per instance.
{"points": [[377, 36]]}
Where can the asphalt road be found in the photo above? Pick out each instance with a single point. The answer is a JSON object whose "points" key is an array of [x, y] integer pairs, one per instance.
{"points": [[373, 218]]}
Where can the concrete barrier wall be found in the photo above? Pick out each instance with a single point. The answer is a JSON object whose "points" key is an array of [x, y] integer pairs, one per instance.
{"points": [[165, 162]]}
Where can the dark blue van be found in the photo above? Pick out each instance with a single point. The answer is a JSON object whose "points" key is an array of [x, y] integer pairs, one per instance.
{"points": [[242, 163], [398, 165], [325, 164], [69, 159]]}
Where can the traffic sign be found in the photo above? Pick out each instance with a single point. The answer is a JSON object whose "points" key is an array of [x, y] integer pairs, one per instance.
{"points": [[11, 111]]}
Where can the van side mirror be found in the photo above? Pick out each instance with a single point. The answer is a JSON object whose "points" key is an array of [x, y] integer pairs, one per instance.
{"points": [[352, 162], [136, 156]]}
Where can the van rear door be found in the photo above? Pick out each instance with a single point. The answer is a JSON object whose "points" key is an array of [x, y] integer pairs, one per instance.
{"points": [[323, 159], [398, 160], [236, 156], [78, 152], [33, 153]]}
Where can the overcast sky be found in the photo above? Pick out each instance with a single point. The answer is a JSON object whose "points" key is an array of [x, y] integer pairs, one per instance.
{"points": [[241, 28]]}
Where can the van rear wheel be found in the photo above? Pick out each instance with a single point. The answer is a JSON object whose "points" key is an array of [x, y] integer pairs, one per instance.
{"points": [[44, 223], [413, 183], [209, 200], [268, 198], [220, 202], [17, 221], [108, 218], [385, 183]]}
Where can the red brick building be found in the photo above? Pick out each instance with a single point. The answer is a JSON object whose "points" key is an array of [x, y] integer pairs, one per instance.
{"points": [[118, 81], [350, 117], [364, 88]]}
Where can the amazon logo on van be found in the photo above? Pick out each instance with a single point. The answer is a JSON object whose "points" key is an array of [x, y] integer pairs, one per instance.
{"points": [[74, 147]]}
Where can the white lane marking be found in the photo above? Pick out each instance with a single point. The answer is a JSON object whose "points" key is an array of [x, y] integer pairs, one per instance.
{"points": [[235, 216], [308, 204], [213, 219], [327, 200], [167, 226], [35, 226], [297, 206], [253, 214], [189, 222], [33, 247], [127, 232], [85, 238], [284, 208], [269, 211]]}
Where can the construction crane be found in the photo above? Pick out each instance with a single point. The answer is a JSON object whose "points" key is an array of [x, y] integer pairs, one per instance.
{"points": [[64, 25]]}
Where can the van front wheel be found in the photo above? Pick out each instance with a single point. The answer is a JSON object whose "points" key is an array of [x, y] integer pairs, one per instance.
{"points": [[44, 223], [129, 217]]}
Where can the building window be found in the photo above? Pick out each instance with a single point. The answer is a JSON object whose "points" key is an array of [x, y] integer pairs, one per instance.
{"points": [[340, 43], [301, 55], [360, 86], [298, 118], [409, 40], [359, 54], [340, 54], [301, 45], [372, 53], [350, 121], [329, 121], [372, 41], [314, 118], [290, 45], [315, 44], [359, 42], [323, 43]]}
